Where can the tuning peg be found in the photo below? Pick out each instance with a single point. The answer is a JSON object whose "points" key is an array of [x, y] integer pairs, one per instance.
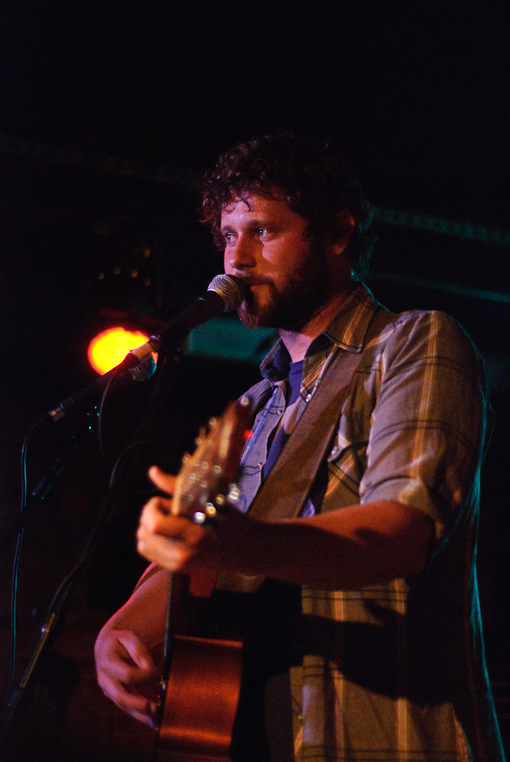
{"points": [[207, 516]]}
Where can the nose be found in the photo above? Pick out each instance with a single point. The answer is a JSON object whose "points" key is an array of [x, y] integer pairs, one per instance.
{"points": [[240, 255]]}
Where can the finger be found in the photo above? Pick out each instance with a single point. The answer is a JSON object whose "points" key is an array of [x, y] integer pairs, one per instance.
{"points": [[156, 517], [162, 480], [137, 651], [156, 508], [134, 704], [122, 662], [147, 716], [171, 554]]}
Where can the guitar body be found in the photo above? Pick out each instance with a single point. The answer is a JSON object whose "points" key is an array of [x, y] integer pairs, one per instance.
{"points": [[201, 684], [201, 698]]}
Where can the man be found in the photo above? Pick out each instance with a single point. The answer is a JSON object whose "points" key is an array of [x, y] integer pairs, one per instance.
{"points": [[364, 639]]}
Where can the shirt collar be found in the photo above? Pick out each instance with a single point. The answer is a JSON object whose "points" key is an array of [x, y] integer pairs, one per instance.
{"points": [[348, 330]]}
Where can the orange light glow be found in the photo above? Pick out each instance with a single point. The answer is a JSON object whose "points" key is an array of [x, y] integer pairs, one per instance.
{"points": [[109, 348]]}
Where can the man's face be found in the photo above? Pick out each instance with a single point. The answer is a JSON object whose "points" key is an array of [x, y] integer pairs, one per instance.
{"points": [[267, 247]]}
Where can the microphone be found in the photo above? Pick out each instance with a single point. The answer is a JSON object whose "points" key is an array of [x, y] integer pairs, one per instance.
{"points": [[118, 376], [225, 293]]}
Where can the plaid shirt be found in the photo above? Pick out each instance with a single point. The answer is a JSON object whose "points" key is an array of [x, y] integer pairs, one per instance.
{"points": [[394, 672]]}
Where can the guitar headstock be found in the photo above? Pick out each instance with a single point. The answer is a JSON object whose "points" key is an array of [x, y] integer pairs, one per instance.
{"points": [[206, 479]]}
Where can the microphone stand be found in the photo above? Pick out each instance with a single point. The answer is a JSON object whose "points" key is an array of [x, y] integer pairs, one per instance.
{"points": [[163, 381], [40, 492]]}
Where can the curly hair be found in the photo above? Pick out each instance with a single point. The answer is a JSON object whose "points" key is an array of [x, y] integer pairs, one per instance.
{"points": [[311, 178]]}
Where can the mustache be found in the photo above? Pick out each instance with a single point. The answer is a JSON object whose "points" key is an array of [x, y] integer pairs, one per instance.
{"points": [[249, 281]]}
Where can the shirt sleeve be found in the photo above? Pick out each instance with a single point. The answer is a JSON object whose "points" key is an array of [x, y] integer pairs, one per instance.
{"points": [[427, 433]]}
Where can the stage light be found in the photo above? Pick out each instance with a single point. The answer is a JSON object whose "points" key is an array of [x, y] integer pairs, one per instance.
{"points": [[109, 348]]}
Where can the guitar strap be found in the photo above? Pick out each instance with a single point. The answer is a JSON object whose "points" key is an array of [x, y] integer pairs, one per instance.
{"points": [[283, 493]]}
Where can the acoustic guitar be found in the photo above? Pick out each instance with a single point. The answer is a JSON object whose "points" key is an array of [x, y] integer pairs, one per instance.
{"points": [[201, 677]]}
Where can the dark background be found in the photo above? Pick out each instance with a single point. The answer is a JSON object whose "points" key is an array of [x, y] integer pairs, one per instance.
{"points": [[107, 113]]}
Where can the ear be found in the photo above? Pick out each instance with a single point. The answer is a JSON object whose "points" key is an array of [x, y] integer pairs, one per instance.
{"points": [[345, 225]]}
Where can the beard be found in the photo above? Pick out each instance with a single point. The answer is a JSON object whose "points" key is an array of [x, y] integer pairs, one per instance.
{"points": [[291, 307]]}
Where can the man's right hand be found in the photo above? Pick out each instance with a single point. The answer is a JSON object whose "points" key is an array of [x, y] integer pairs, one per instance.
{"points": [[127, 673]]}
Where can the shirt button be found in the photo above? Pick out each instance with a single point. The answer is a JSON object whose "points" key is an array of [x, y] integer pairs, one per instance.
{"points": [[308, 398]]}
